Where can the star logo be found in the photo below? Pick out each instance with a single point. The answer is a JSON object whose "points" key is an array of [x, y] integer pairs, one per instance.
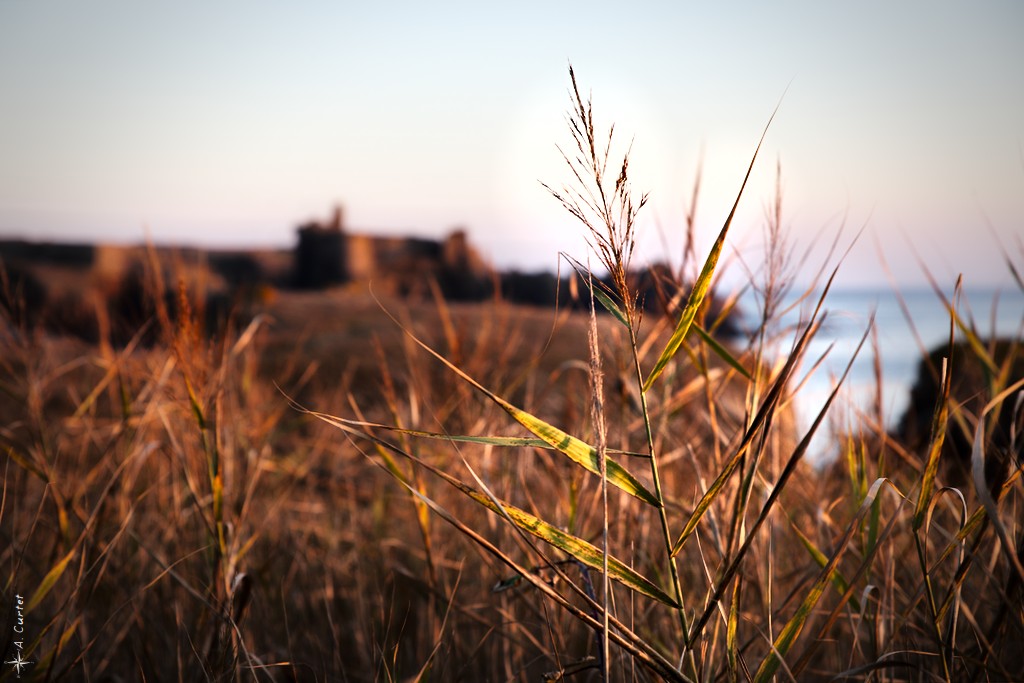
{"points": [[18, 663]]}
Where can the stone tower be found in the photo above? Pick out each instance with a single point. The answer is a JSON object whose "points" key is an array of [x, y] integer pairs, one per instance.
{"points": [[320, 255]]}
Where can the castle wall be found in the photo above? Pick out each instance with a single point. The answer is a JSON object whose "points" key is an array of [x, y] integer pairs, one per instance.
{"points": [[110, 264], [361, 261]]}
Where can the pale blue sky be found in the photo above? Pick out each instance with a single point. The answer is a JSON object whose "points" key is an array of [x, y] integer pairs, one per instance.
{"points": [[231, 122]]}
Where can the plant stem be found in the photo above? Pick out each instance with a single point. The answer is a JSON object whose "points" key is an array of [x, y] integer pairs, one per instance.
{"points": [[677, 587]]}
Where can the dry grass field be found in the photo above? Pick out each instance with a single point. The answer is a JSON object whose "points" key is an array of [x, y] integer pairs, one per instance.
{"points": [[334, 488], [161, 481]]}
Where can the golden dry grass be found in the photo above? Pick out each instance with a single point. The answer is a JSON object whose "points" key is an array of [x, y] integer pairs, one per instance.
{"points": [[173, 511]]}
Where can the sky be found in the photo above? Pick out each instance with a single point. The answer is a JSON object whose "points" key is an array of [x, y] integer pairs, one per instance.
{"points": [[229, 123]]}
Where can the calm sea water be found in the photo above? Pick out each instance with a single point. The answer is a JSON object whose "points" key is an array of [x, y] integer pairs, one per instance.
{"points": [[999, 312]]}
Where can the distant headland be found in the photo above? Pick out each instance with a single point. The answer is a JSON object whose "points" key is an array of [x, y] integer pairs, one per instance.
{"points": [[326, 255], [67, 284]]}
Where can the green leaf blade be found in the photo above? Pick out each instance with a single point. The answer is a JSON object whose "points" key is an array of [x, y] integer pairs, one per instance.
{"points": [[578, 548], [581, 453], [548, 436], [49, 581], [703, 283], [722, 352]]}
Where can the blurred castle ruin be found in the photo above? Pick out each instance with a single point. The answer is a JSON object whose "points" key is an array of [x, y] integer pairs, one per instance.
{"points": [[88, 288], [328, 255]]}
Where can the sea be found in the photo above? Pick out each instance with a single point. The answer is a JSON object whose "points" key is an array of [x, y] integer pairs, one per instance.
{"points": [[904, 331]]}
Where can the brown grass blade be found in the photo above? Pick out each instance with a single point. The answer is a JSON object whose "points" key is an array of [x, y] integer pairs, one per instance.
{"points": [[791, 631], [985, 496]]}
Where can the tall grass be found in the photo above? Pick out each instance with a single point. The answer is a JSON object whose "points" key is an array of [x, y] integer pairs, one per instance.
{"points": [[489, 493], [743, 514]]}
